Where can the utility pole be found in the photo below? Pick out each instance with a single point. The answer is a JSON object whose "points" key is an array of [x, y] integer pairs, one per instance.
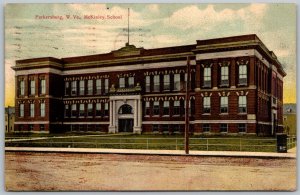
{"points": [[187, 105]]}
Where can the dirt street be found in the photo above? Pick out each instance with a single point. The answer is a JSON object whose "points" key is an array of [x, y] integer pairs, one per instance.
{"points": [[28, 171]]}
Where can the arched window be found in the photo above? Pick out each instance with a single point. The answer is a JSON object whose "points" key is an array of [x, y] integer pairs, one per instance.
{"points": [[125, 109]]}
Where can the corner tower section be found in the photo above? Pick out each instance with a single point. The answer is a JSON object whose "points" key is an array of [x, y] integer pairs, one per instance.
{"points": [[38, 88]]}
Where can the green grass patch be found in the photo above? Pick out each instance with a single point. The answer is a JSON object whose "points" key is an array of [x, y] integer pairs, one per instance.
{"points": [[156, 141]]}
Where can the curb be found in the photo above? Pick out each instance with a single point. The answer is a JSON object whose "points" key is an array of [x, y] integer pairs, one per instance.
{"points": [[153, 152]]}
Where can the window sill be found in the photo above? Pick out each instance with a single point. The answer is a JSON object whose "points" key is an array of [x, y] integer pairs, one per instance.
{"points": [[242, 85], [223, 113], [243, 113], [165, 116], [176, 115], [206, 114], [224, 132]]}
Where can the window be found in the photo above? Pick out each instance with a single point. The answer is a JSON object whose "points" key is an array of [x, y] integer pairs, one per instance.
{"points": [[156, 87], [223, 128], [130, 82], [243, 74], [242, 128], [21, 110], [176, 108], [206, 127], [67, 88], [67, 111], [242, 104], [31, 110], [147, 108], [167, 82], [156, 108], [42, 109], [98, 109], [22, 87], [42, 127], [166, 110], [126, 109], [165, 128], [224, 76], [176, 128], [106, 109], [74, 88], [32, 87], [43, 86], [90, 87], [207, 77], [147, 83], [176, 82], [74, 110], [98, 86], [81, 110], [81, 87], [31, 127], [106, 85], [155, 128], [206, 105], [224, 104], [122, 82], [90, 110]]}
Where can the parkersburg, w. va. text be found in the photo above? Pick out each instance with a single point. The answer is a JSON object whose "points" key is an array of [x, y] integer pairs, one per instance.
{"points": [[77, 17]]}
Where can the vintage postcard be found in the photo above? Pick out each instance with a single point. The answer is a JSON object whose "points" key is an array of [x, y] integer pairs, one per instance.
{"points": [[150, 97]]}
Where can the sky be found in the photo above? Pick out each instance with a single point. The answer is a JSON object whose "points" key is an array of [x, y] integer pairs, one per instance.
{"points": [[29, 35]]}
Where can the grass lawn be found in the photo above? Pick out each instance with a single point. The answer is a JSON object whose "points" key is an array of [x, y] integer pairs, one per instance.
{"points": [[155, 141]]}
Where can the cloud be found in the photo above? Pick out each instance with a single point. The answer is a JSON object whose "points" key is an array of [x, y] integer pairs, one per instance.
{"points": [[154, 8], [193, 17]]}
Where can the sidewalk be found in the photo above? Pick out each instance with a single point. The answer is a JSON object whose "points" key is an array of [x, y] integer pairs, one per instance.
{"points": [[291, 153]]}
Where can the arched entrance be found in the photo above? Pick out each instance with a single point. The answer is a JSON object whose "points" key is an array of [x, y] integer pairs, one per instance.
{"points": [[125, 118]]}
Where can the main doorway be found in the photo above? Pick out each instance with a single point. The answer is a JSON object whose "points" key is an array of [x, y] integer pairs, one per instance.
{"points": [[125, 125]]}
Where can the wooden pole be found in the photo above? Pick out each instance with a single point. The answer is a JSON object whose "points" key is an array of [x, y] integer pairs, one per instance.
{"points": [[187, 100]]}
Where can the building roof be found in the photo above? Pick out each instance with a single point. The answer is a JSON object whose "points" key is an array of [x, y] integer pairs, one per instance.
{"points": [[131, 52]]}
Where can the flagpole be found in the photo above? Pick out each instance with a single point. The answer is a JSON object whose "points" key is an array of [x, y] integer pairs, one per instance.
{"points": [[187, 99], [128, 27]]}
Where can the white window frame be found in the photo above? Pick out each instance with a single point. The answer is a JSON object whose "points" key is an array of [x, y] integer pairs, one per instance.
{"points": [[43, 86], [32, 87], [31, 111], [223, 104], [156, 83], [166, 106], [166, 82], [242, 103], [74, 88], [81, 87], [224, 75], [206, 105], [130, 82], [156, 103], [207, 77], [22, 87], [98, 86], [243, 74], [81, 110], [122, 82], [106, 85], [21, 110], [176, 82], [90, 87], [147, 83], [42, 109]]}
